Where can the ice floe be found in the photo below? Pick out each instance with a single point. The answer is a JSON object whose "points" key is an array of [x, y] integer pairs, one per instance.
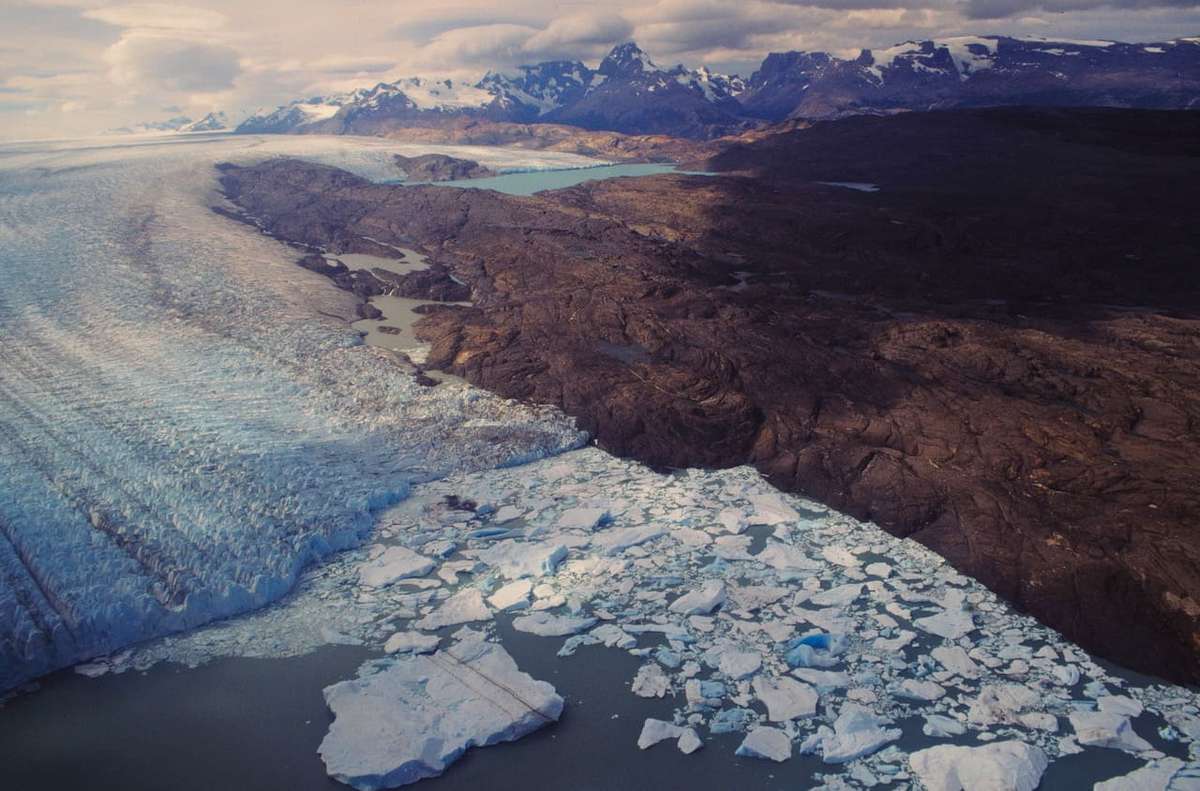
{"points": [[407, 719], [411, 643], [651, 681], [546, 624], [1154, 776], [394, 563], [1002, 766], [702, 601], [463, 607], [770, 743], [513, 596], [1107, 729], [785, 698], [855, 733], [655, 731]]}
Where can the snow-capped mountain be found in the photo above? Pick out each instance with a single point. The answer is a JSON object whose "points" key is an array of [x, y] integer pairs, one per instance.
{"points": [[213, 122], [544, 87], [293, 116], [975, 71], [628, 92]]}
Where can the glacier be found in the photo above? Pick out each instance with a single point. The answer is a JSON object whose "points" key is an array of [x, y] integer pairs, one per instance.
{"points": [[187, 420]]}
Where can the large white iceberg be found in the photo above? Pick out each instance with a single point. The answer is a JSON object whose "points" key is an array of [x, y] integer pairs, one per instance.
{"points": [[1001, 766], [394, 563], [855, 733], [411, 718]]}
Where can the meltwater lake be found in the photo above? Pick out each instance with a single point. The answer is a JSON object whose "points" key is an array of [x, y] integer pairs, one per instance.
{"points": [[530, 182]]}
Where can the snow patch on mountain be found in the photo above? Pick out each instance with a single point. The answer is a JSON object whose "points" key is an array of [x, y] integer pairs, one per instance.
{"points": [[428, 94], [971, 54], [1069, 41]]}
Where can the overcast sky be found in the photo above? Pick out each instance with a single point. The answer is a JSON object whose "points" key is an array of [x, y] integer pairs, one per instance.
{"points": [[75, 67]]}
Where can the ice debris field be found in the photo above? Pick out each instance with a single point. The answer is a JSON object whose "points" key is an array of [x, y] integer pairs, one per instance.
{"points": [[801, 631], [188, 430]]}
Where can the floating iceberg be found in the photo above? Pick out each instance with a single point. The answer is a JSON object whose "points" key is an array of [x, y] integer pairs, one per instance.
{"points": [[785, 698], [702, 601], [545, 624], [856, 732], [769, 743], [410, 719], [466, 606], [1002, 766], [394, 563]]}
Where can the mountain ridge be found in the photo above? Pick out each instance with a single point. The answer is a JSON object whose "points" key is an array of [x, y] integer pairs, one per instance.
{"points": [[629, 93]]}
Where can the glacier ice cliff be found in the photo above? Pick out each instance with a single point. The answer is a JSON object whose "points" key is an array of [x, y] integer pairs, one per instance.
{"points": [[186, 419]]}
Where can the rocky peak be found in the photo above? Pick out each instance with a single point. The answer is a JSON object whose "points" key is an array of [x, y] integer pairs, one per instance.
{"points": [[627, 60]]}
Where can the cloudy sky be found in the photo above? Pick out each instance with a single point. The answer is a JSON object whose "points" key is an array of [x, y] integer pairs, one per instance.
{"points": [[75, 67]]}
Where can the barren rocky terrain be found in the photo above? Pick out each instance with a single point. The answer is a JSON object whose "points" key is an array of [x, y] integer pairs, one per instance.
{"points": [[976, 328], [439, 167]]}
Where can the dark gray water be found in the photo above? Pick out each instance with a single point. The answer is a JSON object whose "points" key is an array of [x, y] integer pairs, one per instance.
{"points": [[253, 724], [590, 749], [230, 724]]}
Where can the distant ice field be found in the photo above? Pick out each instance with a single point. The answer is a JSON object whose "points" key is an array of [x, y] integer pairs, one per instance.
{"points": [[185, 422]]}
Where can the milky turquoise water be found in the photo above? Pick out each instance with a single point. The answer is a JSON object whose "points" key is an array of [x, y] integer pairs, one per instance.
{"points": [[537, 181]]}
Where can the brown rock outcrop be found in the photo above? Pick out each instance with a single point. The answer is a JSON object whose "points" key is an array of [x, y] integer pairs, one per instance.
{"points": [[439, 167]]}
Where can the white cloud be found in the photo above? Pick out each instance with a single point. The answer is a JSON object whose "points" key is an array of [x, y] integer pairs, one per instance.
{"points": [[159, 16], [121, 62], [480, 44], [565, 36], [351, 64], [149, 61]]}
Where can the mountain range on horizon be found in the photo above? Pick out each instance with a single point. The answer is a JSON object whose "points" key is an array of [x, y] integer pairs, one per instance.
{"points": [[629, 93], [181, 124]]}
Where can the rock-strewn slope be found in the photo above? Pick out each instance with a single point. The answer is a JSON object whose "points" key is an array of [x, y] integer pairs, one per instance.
{"points": [[996, 353]]}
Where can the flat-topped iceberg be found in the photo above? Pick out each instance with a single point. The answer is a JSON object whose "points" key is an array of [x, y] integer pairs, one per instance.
{"points": [[1002, 766], [408, 719]]}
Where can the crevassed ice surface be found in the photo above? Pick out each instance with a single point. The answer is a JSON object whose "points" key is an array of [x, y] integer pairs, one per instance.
{"points": [[185, 420]]}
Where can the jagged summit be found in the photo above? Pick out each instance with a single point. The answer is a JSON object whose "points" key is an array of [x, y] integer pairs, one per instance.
{"points": [[626, 60]]}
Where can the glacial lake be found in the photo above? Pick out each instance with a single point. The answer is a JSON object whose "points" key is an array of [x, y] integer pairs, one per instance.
{"points": [[536, 181]]}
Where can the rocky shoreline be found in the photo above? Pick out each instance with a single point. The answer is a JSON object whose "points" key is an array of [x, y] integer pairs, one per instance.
{"points": [[996, 354]]}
